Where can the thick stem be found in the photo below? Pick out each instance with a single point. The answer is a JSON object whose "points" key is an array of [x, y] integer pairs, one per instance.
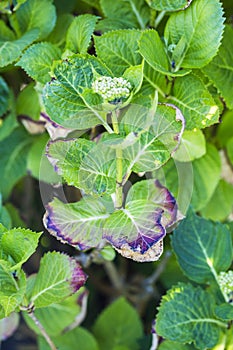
{"points": [[119, 166], [42, 330]]}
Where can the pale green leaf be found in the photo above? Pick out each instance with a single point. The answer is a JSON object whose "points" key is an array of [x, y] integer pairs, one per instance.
{"points": [[38, 59], [10, 51], [20, 244], [118, 49], [155, 55], [13, 159], [66, 157], [220, 205], [195, 102], [97, 172], [79, 33], [186, 315], [40, 14], [57, 278], [68, 97], [27, 103], [11, 289], [118, 324], [168, 5], [206, 173], [4, 96], [79, 224], [204, 250], [198, 31], [220, 69], [151, 148], [192, 146], [130, 13]]}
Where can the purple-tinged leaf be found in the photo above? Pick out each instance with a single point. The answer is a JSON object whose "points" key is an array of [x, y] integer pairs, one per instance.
{"points": [[55, 130], [78, 224], [152, 190], [59, 277], [136, 230]]}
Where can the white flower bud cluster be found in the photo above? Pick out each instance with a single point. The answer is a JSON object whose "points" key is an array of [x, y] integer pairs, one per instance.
{"points": [[225, 280], [112, 90]]}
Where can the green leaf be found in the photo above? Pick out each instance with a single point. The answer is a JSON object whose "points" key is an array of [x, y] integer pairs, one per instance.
{"points": [[27, 103], [12, 289], [172, 345], [69, 340], [40, 14], [10, 51], [13, 159], [192, 146], [79, 224], [224, 312], [195, 102], [5, 217], [97, 172], [66, 157], [8, 125], [151, 148], [37, 61], [220, 69], [198, 30], [220, 205], [168, 5], [79, 33], [37, 163], [20, 244], [206, 174], [4, 96], [6, 34], [155, 79], [225, 128], [230, 150], [58, 34], [186, 315], [118, 324], [56, 317], [66, 98], [155, 55], [118, 49], [59, 277], [131, 13], [204, 250]]}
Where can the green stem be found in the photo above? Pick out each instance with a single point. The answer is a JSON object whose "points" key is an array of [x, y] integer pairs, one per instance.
{"points": [[159, 18], [119, 166]]}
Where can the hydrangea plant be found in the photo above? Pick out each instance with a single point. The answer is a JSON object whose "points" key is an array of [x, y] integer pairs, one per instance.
{"points": [[117, 105]]}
